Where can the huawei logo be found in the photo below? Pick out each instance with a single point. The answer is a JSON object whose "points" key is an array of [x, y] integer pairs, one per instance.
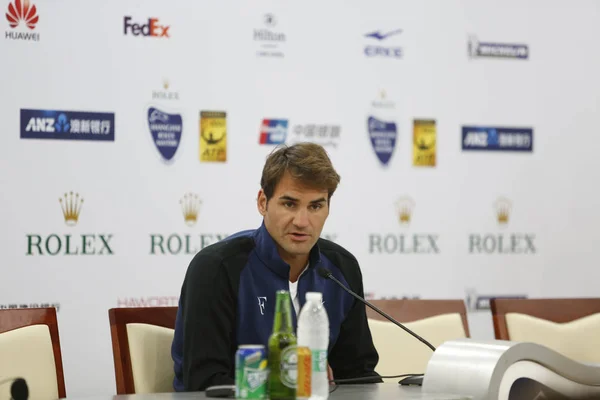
{"points": [[22, 11]]}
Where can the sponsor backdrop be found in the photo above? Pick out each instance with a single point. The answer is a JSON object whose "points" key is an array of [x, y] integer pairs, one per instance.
{"points": [[135, 132]]}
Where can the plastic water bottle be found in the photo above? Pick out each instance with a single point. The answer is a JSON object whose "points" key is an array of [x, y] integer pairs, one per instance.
{"points": [[313, 332]]}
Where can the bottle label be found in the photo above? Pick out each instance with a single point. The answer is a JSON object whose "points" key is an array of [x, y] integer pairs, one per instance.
{"points": [[289, 366], [319, 358]]}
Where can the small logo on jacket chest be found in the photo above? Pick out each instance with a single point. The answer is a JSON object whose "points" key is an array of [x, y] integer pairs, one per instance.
{"points": [[261, 304]]}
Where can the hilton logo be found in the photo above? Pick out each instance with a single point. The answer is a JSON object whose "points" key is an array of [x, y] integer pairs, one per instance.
{"points": [[513, 243], [391, 243], [69, 244], [270, 41], [184, 243]]}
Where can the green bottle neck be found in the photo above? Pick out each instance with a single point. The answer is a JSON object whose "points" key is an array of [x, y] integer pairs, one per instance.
{"points": [[283, 314]]}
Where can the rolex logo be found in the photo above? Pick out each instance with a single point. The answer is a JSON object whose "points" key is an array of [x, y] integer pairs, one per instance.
{"points": [[503, 207], [190, 206], [404, 208], [69, 244], [502, 243], [404, 243], [71, 205], [165, 94], [186, 242]]}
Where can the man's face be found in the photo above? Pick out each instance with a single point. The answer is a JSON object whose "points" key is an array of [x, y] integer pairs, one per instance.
{"points": [[294, 216]]}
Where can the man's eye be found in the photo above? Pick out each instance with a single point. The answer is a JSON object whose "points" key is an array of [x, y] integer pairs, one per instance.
{"points": [[316, 206], [289, 204]]}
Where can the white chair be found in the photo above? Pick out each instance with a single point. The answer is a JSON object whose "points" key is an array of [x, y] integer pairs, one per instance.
{"points": [[30, 349], [142, 339], [568, 326], [437, 321]]}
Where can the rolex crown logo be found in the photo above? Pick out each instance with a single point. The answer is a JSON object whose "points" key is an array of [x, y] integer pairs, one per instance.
{"points": [[71, 205], [190, 206], [166, 84], [404, 208], [503, 207]]}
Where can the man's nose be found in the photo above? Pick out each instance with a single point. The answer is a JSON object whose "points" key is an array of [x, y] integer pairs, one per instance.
{"points": [[301, 219]]}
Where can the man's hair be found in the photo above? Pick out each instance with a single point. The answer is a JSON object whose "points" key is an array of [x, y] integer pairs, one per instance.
{"points": [[306, 162]]}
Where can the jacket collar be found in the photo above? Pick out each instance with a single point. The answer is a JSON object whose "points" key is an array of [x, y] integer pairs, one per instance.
{"points": [[266, 250]]}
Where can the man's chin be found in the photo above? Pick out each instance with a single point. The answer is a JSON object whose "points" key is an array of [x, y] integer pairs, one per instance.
{"points": [[299, 249]]}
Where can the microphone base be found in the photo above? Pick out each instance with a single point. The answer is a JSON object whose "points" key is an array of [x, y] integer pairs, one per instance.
{"points": [[412, 381]]}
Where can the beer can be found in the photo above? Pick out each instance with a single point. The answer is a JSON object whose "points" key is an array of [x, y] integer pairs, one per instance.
{"points": [[251, 372], [303, 386]]}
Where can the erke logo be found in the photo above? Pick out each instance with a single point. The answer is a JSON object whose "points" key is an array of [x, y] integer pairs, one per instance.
{"points": [[381, 36], [152, 28], [261, 304], [380, 50]]}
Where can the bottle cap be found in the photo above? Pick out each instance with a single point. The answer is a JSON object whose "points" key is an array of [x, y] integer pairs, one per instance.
{"points": [[314, 296]]}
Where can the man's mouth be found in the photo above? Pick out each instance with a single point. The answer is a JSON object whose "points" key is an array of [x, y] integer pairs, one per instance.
{"points": [[299, 236]]}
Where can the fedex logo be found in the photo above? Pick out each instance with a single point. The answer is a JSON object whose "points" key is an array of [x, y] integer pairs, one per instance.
{"points": [[152, 28]]}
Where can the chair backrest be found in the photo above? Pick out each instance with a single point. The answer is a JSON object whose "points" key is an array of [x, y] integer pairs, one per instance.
{"points": [[410, 310], [141, 339], [570, 326], [437, 321], [30, 348]]}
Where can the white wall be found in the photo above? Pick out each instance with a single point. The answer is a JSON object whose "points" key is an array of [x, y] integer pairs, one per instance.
{"points": [[83, 62]]}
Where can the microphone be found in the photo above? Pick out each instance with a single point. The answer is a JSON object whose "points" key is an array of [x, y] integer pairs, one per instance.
{"points": [[325, 273], [18, 389]]}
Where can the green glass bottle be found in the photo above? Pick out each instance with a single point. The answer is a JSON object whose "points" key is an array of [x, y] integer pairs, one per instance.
{"points": [[283, 358]]}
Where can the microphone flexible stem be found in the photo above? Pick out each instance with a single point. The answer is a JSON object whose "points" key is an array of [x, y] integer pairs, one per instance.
{"points": [[425, 342], [7, 380]]}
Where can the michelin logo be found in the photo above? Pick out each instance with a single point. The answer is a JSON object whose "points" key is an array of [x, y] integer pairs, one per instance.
{"points": [[479, 49]]}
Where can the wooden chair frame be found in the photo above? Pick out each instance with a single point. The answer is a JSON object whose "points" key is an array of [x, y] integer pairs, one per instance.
{"points": [[119, 318], [409, 310], [11, 319], [555, 310]]}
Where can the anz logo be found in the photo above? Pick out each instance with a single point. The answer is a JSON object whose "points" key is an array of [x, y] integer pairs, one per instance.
{"points": [[48, 124], [379, 49]]}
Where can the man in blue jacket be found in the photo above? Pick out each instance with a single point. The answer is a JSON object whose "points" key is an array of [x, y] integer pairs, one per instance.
{"points": [[228, 296]]}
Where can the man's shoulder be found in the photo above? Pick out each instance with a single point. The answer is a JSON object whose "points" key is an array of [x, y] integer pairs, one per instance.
{"points": [[342, 263], [335, 252], [234, 248]]}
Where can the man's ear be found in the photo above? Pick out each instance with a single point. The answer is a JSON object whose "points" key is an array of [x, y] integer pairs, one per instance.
{"points": [[261, 202]]}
